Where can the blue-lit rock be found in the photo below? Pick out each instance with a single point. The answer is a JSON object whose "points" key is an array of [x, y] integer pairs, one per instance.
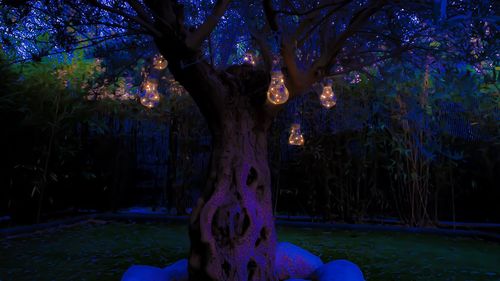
{"points": [[175, 272], [144, 273], [178, 271], [295, 262], [339, 270]]}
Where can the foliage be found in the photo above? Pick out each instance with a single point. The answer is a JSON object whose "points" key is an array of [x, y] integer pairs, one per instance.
{"points": [[43, 108], [400, 147], [59, 113]]}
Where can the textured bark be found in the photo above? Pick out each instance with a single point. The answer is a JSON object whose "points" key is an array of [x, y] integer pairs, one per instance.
{"points": [[232, 228]]}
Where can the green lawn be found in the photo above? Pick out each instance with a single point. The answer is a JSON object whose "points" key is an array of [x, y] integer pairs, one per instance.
{"points": [[104, 252]]}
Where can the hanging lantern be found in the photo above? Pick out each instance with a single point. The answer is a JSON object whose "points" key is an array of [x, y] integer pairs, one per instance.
{"points": [[159, 62], [327, 97], [150, 99], [249, 58], [277, 92], [296, 137], [149, 95], [150, 86]]}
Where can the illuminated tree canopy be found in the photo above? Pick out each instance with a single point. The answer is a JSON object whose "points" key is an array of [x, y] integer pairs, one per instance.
{"points": [[242, 62]]}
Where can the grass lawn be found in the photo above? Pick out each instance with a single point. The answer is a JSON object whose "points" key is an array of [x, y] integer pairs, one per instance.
{"points": [[104, 251]]}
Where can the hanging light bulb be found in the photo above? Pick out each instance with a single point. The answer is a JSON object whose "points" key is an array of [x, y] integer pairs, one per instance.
{"points": [[248, 58], [159, 62], [150, 99], [149, 96], [296, 137], [327, 97], [150, 85], [277, 92]]}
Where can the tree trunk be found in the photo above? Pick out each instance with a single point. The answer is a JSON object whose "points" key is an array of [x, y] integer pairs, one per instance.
{"points": [[232, 228]]}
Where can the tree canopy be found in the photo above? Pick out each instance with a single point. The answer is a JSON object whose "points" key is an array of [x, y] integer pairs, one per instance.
{"points": [[324, 37]]}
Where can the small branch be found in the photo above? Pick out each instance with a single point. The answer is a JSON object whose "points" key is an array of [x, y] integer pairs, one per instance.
{"points": [[264, 48], [360, 67], [270, 15], [149, 27], [313, 10], [163, 12], [296, 79], [196, 38], [322, 65], [139, 9], [310, 31], [311, 20], [79, 48]]}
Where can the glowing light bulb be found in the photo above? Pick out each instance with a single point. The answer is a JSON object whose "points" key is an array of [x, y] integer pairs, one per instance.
{"points": [[327, 97], [296, 137], [277, 92], [149, 97], [159, 62], [150, 101], [249, 59], [146, 102], [150, 86]]}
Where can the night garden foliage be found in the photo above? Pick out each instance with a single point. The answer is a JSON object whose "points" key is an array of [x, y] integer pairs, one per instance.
{"points": [[369, 158], [417, 85], [41, 103], [59, 118]]}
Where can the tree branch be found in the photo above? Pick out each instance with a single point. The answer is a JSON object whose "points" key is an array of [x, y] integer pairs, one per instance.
{"points": [[265, 50], [196, 38], [296, 79], [139, 9], [322, 20], [325, 61], [313, 10], [148, 26], [270, 15], [163, 12]]}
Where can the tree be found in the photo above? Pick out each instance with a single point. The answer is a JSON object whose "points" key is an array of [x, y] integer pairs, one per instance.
{"points": [[232, 228]]}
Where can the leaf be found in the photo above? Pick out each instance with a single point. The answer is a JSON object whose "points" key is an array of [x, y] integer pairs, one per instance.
{"points": [[434, 44], [35, 188], [53, 177]]}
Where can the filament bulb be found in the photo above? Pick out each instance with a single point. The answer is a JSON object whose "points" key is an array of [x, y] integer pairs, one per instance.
{"points": [[277, 92]]}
